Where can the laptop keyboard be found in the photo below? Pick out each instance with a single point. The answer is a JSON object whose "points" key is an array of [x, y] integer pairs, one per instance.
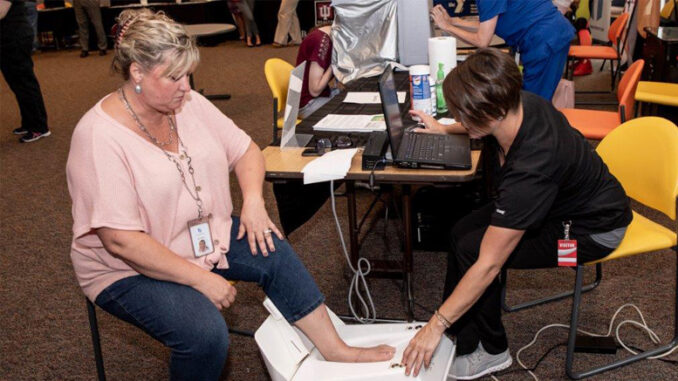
{"points": [[426, 147]]}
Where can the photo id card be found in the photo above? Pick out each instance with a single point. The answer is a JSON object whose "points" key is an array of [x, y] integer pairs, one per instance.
{"points": [[201, 236]]}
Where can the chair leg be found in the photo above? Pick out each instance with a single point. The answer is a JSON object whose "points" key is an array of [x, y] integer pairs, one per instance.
{"points": [[603, 65], [548, 299], [275, 122], [619, 363], [613, 74], [94, 329]]}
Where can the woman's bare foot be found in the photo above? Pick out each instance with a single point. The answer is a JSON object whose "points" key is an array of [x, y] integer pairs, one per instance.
{"points": [[258, 40], [370, 354]]}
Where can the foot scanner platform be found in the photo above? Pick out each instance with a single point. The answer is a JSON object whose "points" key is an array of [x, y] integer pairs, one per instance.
{"points": [[290, 356]]}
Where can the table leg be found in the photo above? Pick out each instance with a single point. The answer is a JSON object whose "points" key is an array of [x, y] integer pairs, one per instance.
{"points": [[407, 252]]}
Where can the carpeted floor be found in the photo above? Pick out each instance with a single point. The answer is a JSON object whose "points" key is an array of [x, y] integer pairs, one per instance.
{"points": [[45, 334]]}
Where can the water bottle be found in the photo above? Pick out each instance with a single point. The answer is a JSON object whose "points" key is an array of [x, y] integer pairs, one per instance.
{"points": [[440, 99]]}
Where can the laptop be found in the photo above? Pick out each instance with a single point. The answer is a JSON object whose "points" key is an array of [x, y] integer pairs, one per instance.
{"points": [[290, 138], [418, 150]]}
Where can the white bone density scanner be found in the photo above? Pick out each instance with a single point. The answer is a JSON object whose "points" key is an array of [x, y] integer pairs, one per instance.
{"points": [[290, 356]]}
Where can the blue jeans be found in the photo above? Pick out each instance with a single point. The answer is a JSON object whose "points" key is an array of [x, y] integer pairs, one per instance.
{"points": [[186, 321]]}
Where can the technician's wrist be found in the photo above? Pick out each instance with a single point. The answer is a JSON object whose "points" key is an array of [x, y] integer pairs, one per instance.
{"points": [[437, 325]]}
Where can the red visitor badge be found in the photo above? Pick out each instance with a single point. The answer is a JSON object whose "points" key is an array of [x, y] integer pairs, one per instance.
{"points": [[567, 252]]}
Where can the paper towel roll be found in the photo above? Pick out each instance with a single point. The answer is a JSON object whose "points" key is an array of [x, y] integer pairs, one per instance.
{"points": [[442, 49]]}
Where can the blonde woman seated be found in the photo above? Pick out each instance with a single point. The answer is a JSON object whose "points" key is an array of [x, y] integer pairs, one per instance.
{"points": [[148, 173]]}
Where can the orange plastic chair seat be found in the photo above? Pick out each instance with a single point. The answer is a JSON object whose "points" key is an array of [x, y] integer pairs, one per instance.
{"points": [[657, 92], [593, 124], [642, 236], [594, 52]]}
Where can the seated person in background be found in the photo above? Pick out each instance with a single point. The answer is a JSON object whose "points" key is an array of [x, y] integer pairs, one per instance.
{"points": [[549, 177], [148, 173], [316, 50]]}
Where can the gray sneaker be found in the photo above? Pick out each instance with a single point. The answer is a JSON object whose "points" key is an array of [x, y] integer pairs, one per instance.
{"points": [[479, 363]]}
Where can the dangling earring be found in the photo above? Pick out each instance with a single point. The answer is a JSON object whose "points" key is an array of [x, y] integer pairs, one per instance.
{"points": [[137, 89]]}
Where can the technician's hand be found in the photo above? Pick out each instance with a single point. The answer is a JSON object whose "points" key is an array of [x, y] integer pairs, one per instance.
{"points": [[432, 125], [217, 289], [421, 347], [254, 222], [441, 18]]}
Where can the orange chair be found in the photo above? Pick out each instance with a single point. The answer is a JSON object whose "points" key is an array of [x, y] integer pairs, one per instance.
{"points": [[612, 53], [596, 124]]}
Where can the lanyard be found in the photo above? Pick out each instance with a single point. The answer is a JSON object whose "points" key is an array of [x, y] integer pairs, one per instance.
{"points": [[184, 152]]}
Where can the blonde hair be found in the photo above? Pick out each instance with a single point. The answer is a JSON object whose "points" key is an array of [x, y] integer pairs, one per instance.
{"points": [[151, 39]]}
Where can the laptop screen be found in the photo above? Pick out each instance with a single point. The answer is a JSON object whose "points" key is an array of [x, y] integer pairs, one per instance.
{"points": [[389, 104]]}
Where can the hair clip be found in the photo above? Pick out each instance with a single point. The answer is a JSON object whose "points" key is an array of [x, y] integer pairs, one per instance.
{"points": [[119, 31]]}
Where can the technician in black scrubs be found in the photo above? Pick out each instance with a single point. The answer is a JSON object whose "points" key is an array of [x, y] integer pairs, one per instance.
{"points": [[548, 176]]}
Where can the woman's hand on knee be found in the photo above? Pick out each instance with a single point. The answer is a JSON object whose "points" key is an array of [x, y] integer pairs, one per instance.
{"points": [[217, 289], [254, 222]]}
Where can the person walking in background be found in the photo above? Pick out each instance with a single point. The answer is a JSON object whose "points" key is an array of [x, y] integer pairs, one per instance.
{"points": [[246, 9], [288, 24], [87, 11], [16, 40], [237, 17]]}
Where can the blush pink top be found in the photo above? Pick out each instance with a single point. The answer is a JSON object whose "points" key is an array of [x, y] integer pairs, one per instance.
{"points": [[119, 180]]}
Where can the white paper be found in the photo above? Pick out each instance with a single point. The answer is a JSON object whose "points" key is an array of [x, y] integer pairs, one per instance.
{"points": [[369, 97], [333, 165], [351, 123], [295, 83], [446, 121]]}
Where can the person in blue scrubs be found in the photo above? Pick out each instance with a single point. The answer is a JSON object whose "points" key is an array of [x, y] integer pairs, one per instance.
{"points": [[533, 28]]}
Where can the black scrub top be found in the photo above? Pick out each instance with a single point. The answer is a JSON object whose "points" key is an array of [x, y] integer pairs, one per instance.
{"points": [[551, 173]]}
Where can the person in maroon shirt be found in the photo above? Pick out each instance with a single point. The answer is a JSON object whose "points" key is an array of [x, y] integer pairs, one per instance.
{"points": [[316, 50]]}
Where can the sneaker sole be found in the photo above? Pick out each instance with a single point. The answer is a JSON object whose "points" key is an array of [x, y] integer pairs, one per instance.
{"points": [[24, 132], [46, 134], [487, 371]]}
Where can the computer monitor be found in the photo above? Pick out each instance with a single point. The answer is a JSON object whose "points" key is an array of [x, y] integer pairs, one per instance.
{"points": [[391, 109]]}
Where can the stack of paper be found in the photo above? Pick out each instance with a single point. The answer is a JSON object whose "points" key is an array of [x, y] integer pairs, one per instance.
{"points": [[369, 97], [351, 123], [333, 165]]}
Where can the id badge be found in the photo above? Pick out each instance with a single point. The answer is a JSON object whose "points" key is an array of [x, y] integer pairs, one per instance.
{"points": [[567, 252], [201, 237]]}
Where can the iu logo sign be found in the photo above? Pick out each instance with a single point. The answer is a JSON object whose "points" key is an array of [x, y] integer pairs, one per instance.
{"points": [[324, 13]]}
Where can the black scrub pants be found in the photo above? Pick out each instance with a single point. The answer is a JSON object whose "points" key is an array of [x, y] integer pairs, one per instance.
{"points": [[537, 249], [17, 68]]}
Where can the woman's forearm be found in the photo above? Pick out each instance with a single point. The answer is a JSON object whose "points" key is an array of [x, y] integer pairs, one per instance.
{"points": [[470, 25], [479, 36], [455, 128], [495, 248], [149, 257], [250, 170]]}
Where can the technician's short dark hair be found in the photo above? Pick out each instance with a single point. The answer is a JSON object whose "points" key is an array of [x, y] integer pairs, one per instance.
{"points": [[485, 87]]}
